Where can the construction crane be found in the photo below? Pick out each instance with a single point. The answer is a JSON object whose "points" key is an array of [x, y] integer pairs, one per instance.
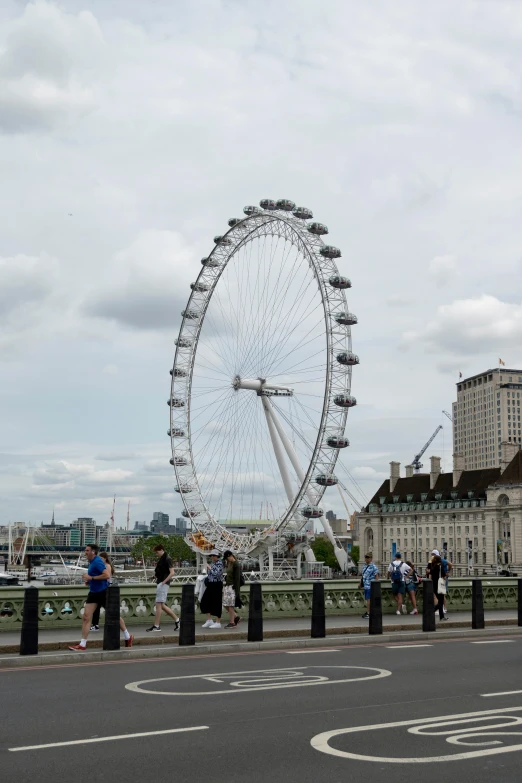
{"points": [[417, 464], [450, 417]]}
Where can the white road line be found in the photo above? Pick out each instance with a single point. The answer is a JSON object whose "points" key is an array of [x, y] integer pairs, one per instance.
{"points": [[406, 646], [108, 739], [501, 693], [495, 641], [304, 652]]}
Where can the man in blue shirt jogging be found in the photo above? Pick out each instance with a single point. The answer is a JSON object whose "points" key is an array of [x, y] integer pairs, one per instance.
{"points": [[97, 577]]}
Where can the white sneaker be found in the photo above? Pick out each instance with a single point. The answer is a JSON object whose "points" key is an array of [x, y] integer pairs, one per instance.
{"points": [[207, 624], [404, 609], [415, 611], [397, 612], [445, 610], [215, 625]]}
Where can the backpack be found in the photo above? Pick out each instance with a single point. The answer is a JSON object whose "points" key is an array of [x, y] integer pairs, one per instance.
{"points": [[396, 573]]}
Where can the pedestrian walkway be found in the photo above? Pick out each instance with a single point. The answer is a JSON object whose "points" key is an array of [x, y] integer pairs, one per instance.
{"points": [[289, 627]]}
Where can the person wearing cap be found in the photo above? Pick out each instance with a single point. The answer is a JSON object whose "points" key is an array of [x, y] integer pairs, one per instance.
{"points": [[398, 571], [446, 568], [370, 573], [212, 599]]}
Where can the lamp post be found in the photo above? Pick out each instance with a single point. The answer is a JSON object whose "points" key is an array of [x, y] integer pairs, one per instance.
{"points": [[454, 539], [416, 539]]}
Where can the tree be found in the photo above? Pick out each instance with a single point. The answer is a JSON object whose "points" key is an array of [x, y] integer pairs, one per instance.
{"points": [[175, 546], [324, 552], [355, 554]]}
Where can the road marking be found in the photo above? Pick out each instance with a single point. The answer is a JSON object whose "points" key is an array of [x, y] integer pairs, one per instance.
{"points": [[495, 641], [454, 736], [406, 646], [305, 652], [501, 693], [263, 680], [213, 679], [108, 739]]}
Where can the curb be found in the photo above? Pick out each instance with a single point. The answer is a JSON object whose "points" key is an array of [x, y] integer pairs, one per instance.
{"points": [[167, 650]]}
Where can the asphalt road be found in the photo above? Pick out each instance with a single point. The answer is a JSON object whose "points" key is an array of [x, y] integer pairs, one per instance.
{"points": [[272, 716]]}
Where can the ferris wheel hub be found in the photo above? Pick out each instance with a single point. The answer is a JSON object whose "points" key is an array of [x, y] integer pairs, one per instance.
{"points": [[261, 386]]}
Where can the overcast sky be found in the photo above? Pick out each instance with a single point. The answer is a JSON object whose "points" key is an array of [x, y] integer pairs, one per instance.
{"points": [[131, 131]]}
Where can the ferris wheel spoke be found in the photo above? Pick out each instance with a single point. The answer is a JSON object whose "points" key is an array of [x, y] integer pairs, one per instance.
{"points": [[280, 347]]}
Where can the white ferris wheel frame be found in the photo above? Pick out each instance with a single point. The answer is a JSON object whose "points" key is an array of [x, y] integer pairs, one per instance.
{"points": [[275, 223]]}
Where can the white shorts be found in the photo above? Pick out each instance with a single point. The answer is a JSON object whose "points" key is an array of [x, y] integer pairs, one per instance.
{"points": [[162, 592]]}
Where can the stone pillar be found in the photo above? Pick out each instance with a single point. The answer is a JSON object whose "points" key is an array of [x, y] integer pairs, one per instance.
{"points": [[409, 471], [508, 451], [434, 471], [261, 564], [298, 565], [395, 474]]}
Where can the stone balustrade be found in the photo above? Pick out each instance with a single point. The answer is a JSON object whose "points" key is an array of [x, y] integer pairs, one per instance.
{"points": [[62, 606]]}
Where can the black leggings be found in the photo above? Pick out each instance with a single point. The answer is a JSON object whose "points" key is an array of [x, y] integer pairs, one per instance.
{"points": [[440, 599], [96, 616]]}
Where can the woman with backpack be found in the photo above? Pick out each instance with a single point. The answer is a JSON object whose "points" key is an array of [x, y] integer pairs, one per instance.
{"points": [[412, 581], [231, 590]]}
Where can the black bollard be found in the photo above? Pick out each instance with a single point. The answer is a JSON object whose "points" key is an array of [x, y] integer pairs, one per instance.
{"points": [[375, 622], [187, 630], [428, 604], [111, 627], [255, 613], [519, 602], [477, 604], [318, 611], [29, 637]]}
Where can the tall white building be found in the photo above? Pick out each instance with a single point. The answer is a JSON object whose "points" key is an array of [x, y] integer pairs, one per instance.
{"points": [[487, 413]]}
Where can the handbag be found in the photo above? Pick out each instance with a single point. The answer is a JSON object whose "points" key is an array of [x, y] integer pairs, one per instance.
{"points": [[441, 584]]}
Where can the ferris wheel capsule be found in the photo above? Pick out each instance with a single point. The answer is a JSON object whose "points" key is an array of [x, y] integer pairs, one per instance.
{"points": [[303, 213], [211, 262], [345, 401], [337, 442], [252, 210], [347, 319], [222, 240], [233, 222], [337, 281], [177, 432], [312, 512], [200, 287], [184, 489], [176, 402], [183, 342], [318, 228], [285, 204], [191, 512], [268, 203], [325, 480], [191, 315], [179, 372], [329, 251], [347, 358], [180, 461]]}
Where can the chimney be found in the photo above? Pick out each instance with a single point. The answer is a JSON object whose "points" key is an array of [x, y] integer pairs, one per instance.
{"points": [[409, 471], [434, 470], [508, 450], [395, 474], [458, 468]]}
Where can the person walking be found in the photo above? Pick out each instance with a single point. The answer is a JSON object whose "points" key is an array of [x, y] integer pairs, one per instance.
{"points": [[397, 571], [411, 582], [164, 572], [96, 578], [212, 600], [370, 573], [231, 591], [435, 572], [128, 637]]}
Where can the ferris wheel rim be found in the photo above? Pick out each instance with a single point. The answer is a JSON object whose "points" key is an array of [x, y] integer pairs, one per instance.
{"points": [[308, 245]]}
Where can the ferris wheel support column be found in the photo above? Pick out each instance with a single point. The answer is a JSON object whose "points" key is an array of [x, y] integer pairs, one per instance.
{"points": [[277, 450], [292, 456]]}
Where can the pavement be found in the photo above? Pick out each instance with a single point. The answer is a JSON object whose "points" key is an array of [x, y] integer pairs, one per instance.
{"points": [[432, 710], [290, 627]]}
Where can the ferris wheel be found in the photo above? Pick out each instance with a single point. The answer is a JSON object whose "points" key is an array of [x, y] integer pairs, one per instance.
{"points": [[261, 381]]}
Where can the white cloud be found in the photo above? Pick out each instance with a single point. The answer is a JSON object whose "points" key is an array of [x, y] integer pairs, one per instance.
{"points": [[443, 269], [365, 473], [44, 68]]}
